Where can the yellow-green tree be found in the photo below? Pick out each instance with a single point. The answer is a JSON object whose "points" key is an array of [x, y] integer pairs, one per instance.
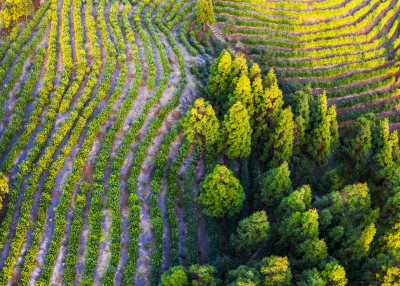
{"points": [[276, 271], [243, 93], [221, 193], [14, 10], [200, 124], [205, 12], [235, 134], [267, 106], [219, 81]]}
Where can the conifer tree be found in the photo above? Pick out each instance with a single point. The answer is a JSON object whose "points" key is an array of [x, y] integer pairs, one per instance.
{"points": [[272, 186], [385, 144], [219, 81], [276, 271], [175, 276], [351, 223], [254, 71], [251, 232], [270, 79], [331, 114], [334, 275], [200, 124], [205, 12], [267, 108], [243, 93], [358, 146], [221, 193], [239, 67], [319, 141], [235, 134], [279, 146]]}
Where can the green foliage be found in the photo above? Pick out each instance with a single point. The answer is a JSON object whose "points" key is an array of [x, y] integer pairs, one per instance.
{"points": [[267, 105], [205, 12], [175, 276], [202, 275], [13, 10], [244, 276], [242, 92], [385, 144], [279, 147], [250, 233], [221, 193], [235, 132], [349, 223], [272, 186], [201, 125], [323, 135], [275, 271], [334, 275]]}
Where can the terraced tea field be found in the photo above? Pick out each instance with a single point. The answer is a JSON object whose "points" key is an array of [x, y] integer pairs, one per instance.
{"points": [[92, 95], [348, 48]]}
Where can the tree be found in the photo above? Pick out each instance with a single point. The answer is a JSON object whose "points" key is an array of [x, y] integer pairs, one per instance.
{"points": [[358, 146], [3, 188], [323, 135], [251, 232], [297, 201], [270, 79], [219, 80], [279, 146], [221, 193], [13, 10], [276, 271], [175, 276], [235, 132], [205, 12], [350, 228], [202, 275], [268, 105], [244, 276], [334, 275], [299, 233], [200, 124], [311, 277], [272, 186], [243, 93]]}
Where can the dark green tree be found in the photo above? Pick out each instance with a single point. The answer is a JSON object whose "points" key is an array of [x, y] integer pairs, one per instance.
{"points": [[251, 232], [279, 146], [272, 186], [202, 275]]}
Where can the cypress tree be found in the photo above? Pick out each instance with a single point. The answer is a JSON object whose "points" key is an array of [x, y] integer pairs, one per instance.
{"points": [[200, 124], [219, 81], [267, 107], [205, 12], [243, 93], [221, 193], [235, 134], [279, 146]]}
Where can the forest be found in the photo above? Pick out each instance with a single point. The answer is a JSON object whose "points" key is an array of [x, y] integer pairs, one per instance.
{"points": [[204, 143]]}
